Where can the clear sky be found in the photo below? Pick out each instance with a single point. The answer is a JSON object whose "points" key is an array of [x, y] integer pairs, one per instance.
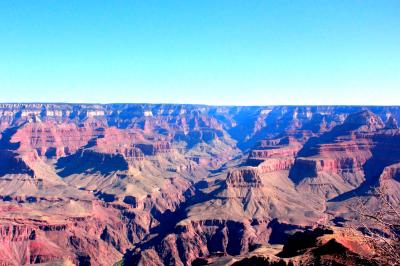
{"points": [[205, 51]]}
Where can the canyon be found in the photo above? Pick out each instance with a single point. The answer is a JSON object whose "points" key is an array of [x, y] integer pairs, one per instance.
{"points": [[172, 184]]}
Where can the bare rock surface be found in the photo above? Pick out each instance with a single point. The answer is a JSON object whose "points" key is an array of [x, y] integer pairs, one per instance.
{"points": [[168, 184]]}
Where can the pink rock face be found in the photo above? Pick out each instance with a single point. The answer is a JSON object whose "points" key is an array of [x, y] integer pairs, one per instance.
{"points": [[312, 167], [265, 154], [157, 184], [26, 240], [391, 172], [52, 140], [364, 121], [276, 164], [245, 177], [158, 147], [275, 155], [349, 154]]}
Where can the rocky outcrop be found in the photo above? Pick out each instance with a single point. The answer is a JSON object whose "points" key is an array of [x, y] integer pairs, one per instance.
{"points": [[276, 164], [351, 153], [244, 177], [364, 121], [328, 246], [319, 246], [99, 237], [191, 240], [152, 149], [391, 172], [272, 155], [305, 167], [52, 140]]}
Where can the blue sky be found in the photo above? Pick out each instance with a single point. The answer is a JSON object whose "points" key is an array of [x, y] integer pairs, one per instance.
{"points": [[205, 51]]}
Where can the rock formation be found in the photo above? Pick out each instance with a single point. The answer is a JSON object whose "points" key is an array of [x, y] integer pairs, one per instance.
{"points": [[161, 184]]}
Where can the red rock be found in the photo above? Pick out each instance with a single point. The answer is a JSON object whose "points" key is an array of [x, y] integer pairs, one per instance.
{"points": [[84, 183], [244, 177]]}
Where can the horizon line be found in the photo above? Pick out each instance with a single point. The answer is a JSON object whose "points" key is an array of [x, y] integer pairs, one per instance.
{"points": [[200, 104]]}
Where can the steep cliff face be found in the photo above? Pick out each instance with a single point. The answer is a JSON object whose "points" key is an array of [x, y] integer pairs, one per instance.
{"points": [[31, 235], [391, 172], [351, 153], [244, 177], [273, 155], [191, 240], [51, 140], [167, 184]]}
